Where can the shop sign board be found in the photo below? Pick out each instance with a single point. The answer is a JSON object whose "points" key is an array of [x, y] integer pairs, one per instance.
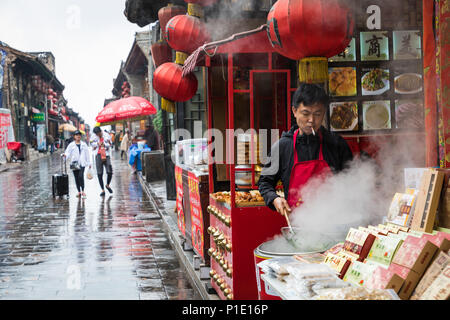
{"points": [[196, 214], [179, 203]]}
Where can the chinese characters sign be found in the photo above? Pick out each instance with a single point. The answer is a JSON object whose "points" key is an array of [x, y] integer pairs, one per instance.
{"points": [[179, 203], [196, 214]]}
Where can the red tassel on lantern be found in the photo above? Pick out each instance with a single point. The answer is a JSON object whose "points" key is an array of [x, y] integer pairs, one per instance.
{"points": [[167, 13], [186, 33], [169, 83], [309, 28]]}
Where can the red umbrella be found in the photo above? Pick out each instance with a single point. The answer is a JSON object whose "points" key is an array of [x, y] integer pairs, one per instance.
{"points": [[132, 108]]}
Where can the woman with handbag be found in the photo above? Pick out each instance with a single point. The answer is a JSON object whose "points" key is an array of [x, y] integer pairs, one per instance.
{"points": [[101, 146], [78, 154]]}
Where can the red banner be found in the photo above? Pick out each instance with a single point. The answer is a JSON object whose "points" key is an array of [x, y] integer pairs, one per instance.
{"points": [[196, 214], [5, 123], [179, 204]]}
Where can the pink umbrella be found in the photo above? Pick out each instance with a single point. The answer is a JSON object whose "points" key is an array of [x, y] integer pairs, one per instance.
{"points": [[132, 108]]}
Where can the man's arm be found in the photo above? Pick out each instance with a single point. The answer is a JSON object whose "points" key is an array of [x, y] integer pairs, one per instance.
{"points": [[270, 176]]}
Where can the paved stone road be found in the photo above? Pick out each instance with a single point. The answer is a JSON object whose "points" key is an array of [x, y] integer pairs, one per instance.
{"points": [[58, 249]]}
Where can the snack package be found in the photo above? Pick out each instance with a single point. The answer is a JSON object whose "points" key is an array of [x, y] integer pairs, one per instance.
{"points": [[433, 271], [440, 288]]}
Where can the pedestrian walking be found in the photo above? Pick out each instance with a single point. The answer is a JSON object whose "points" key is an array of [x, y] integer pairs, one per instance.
{"points": [[125, 144], [50, 143], [77, 153], [101, 145], [117, 140]]}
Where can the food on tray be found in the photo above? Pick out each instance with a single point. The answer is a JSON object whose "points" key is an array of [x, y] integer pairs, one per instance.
{"points": [[241, 197], [374, 80], [344, 115], [408, 83], [409, 115], [343, 82], [377, 116]]}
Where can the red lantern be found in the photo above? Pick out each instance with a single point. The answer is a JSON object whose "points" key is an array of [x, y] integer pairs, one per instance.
{"points": [[309, 28], [186, 33], [169, 83], [167, 13], [203, 3], [161, 53]]}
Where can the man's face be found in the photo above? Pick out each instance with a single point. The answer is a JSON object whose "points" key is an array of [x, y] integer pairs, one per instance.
{"points": [[99, 134], [309, 117]]}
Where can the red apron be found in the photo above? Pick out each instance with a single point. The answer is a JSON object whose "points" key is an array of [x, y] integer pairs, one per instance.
{"points": [[302, 172]]}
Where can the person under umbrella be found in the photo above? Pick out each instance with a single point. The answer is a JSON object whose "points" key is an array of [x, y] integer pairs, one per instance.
{"points": [[101, 145]]}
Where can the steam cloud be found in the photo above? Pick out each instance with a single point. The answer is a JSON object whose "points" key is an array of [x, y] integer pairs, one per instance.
{"points": [[358, 196]]}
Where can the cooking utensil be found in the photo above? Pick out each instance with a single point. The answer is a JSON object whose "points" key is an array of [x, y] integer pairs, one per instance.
{"points": [[288, 232]]}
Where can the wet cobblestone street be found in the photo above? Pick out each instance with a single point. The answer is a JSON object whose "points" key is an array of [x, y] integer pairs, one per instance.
{"points": [[110, 248]]}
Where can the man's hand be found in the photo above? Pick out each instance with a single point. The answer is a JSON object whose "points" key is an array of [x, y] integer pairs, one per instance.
{"points": [[282, 206]]}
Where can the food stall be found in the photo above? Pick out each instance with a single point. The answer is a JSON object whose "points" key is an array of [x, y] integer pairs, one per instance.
{"points": [[191, 180], [377, 98]]}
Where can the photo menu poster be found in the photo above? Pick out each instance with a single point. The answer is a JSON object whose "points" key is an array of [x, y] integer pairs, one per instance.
{"points": [[382, 87]]}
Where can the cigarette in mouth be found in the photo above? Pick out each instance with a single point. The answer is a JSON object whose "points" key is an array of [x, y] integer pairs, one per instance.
{"points": [[314, 133]]}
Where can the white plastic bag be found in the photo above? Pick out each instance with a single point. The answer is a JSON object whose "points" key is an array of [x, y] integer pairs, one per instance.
{"points": [[89, 174]]}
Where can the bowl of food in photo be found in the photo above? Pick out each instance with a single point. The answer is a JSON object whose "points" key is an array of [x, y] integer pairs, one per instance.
{"points": [[344, 116], [377, 116], [375, 82], [408, 83]]}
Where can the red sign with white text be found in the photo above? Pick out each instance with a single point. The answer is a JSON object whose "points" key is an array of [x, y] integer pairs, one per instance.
{"points": [[179, 204], [196, 214]]}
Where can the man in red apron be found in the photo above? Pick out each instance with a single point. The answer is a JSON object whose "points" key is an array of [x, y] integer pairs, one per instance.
{"points": [[308, 150]]}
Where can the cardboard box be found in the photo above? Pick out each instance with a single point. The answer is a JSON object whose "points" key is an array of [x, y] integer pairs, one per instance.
{"points": [[415, 254], [378, 230], [359, 273], [440, 239], [401, 228], [439, 288], [359, 242], [384, 278], [428, 200], [384, 249], [400, 208], [413, 177], [431, 274], [410, 280], [444, 210], [338, 263]]}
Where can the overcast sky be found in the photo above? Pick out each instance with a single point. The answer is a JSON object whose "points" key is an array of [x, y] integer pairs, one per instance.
{"points": [[89, 39]]}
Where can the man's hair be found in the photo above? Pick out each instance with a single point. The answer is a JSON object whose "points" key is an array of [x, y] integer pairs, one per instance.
{"points": [[97, 130], [310, 94]]}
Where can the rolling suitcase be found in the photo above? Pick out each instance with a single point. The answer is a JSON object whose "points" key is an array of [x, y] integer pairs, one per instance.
{"points": [[60, 182]]}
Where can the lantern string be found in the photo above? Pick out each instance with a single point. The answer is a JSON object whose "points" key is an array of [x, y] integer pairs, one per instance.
{"points": [[193, 59]]}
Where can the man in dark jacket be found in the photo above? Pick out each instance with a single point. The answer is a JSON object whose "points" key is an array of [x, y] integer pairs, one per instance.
{"points": [[310, 104]]}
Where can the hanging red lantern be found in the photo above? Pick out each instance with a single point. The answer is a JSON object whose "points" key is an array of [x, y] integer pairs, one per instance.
{"points": [[161, 53], [310, 31], [169, 83], [167, 13], [186, 33], [309, 28]]}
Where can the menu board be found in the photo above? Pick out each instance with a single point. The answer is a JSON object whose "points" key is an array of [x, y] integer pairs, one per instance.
{"points": [[179, 203], [197, 231], [376, 83]]}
